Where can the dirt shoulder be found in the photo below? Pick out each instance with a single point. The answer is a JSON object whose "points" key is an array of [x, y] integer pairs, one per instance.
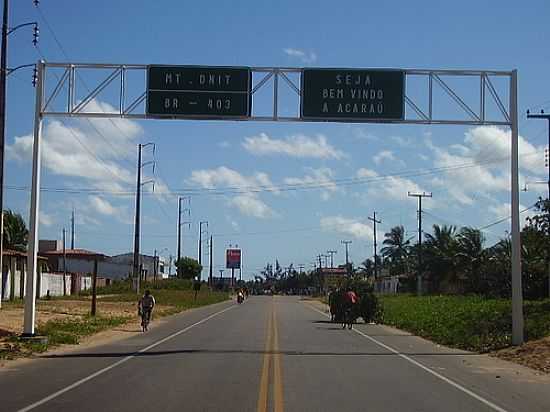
{"points": [[534, 354]]}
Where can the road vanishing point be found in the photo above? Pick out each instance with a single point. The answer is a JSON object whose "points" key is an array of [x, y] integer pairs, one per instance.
{"points": [[272, 353]]}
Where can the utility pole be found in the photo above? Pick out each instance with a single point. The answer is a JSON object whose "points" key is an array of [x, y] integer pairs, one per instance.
{"points": [[346, 243], [155, 265], [320, 263], [332, 253], [373, 219], [136, 273], [202, 222], [210, 278], [72, 230], [64, 266], [546, 116], [170, 267], [4, 72], [419, 276], [183, 210]]}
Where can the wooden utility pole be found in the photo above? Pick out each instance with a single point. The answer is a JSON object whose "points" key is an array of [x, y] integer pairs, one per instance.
{"points": [[94, 289]]}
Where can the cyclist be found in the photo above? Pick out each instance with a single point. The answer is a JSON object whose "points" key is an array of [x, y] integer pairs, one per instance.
{"points": [[350, 300], [145, 306]]}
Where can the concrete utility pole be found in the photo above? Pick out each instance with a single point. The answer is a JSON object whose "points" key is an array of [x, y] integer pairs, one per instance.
{"points": [[4, 72], [136, 273], [545, 116], [184, 210], [64, 265], [202, 222], [170, 267], [373, 219], [346, 243], [72, 230], [332, 253], [155, 265], [210, 278], [419, 276]]}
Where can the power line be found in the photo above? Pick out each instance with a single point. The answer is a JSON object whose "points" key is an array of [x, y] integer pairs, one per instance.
{"points": [[284, 187]]}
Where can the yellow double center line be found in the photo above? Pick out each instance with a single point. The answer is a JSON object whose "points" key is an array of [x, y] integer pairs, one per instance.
{"points": [[271, 357]]}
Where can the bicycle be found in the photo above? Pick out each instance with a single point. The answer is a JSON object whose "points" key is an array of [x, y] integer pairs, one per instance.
{"points": [[145, 319]]}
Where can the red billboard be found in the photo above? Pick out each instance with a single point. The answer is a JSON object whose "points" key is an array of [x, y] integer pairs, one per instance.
{"points": [[233, 258]]}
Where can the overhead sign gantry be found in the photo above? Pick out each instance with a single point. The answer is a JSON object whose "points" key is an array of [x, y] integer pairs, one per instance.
{"points": [[229, 93]]}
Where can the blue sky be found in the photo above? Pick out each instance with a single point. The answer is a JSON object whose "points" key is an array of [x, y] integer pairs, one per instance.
{"points": [[292, 226]]}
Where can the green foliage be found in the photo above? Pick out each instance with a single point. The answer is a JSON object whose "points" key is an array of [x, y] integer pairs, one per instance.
{"points": [[16, 233], [471, 323], [188, 268]]}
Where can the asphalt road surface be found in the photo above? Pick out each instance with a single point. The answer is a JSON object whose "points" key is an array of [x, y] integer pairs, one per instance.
{"points": [[270, 354]]}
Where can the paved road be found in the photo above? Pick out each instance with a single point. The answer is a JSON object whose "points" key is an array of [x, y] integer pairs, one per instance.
{"points": [[270, 354]]}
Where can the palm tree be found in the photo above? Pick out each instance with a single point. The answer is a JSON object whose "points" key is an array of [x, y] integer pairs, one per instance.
{"points": [[440, 251], [16, 233], [471, 255], [397, 248]]}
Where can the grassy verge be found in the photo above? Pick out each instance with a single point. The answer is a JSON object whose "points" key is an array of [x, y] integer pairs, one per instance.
{"points": [[66, 331], [465, 322], [70, 330]]}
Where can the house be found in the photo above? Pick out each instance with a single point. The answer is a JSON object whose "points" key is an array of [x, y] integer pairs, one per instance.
{"points": [[151, 266]]}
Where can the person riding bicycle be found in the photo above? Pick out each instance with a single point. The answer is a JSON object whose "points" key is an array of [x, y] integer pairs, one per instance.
{"points": [[350, 300], [146, 305]]}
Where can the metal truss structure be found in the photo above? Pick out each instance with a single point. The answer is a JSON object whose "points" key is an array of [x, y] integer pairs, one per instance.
{"points": [[63, 100], [117, 82]]}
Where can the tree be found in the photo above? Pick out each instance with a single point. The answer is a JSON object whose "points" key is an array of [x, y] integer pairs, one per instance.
{"points": [[471, 257], [396, 249], [440, 255], [16, 234], [188, 268]]}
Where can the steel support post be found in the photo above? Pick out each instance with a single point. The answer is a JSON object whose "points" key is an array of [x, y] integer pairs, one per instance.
{"points": [[517, 292], [30, 297]]}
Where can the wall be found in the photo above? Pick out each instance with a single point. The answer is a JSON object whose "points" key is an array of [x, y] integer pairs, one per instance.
{"points": [[54, 283], [105, 269]]}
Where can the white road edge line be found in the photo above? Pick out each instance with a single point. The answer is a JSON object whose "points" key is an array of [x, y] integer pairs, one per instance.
{"points": [[416, 363], [120, 362]]}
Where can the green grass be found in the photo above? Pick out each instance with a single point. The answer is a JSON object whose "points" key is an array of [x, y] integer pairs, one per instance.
{"points": [[466, 322], [59, 332]]}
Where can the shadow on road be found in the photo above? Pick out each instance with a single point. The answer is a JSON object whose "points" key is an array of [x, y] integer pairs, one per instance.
{"points": [[247, 352]]}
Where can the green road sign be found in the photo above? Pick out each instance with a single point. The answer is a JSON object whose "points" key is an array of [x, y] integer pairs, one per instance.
{"points": [[199, 92], [353, 95]]}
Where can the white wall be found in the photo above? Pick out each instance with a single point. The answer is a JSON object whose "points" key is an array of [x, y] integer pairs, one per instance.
{"points": [[54, 283]]}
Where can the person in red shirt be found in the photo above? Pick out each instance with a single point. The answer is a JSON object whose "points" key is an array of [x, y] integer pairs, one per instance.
{"points": [[351, 300]]}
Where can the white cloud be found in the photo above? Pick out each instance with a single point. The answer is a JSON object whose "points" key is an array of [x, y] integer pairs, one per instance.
{"points": [[384, 155], [73, 150], [387, 187], [481, 164], [347, 226], [504, 210], [316, 177], [46, 219], [295, 146], [246, 200], [403, 141], [362, 134], [105, 208], [305, 57]]}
